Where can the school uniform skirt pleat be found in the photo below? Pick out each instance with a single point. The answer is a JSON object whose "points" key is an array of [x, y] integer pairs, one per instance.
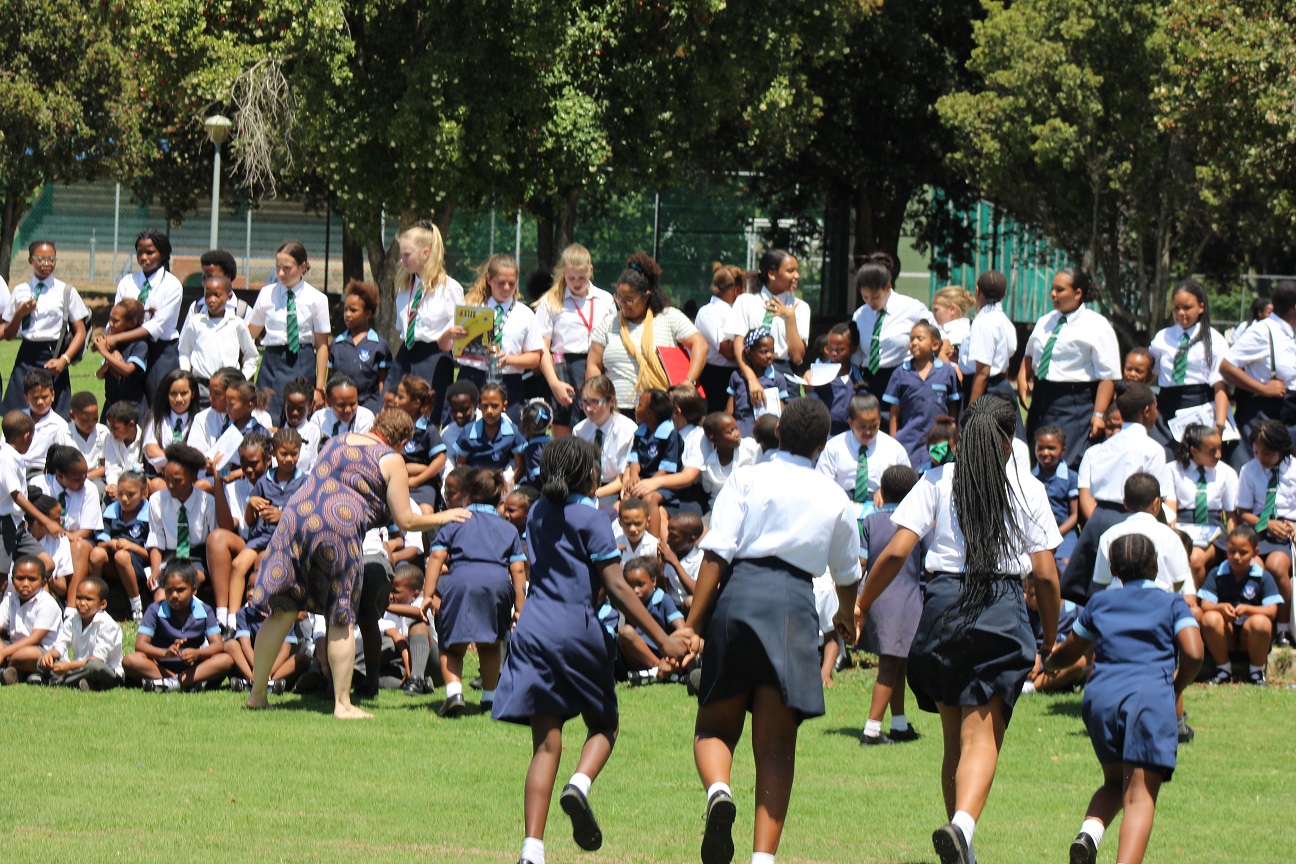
{"points": [[476, 602], [163, 359], [764, 631], [967, 658], [278, 367], [34, 355], [1077, 581], [1131, 718], [1070, 407], [429, 362], [1171, 400], [571, 371]]}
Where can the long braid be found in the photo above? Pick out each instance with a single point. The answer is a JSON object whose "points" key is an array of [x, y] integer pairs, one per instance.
{"points": [[568, 466], [983, 501]]}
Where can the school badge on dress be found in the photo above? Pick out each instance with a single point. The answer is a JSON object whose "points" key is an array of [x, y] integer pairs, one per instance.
{"points": [[410, 446], [1249, 591], [365, 355]]}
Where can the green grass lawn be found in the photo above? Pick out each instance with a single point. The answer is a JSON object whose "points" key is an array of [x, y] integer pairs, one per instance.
{"points": [[82, 374], [126, 775]]}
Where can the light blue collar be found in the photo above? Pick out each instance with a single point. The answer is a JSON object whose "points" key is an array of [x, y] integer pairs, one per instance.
{"points": [[196, 609], [482, 508], [583, 499], [371, 336]]}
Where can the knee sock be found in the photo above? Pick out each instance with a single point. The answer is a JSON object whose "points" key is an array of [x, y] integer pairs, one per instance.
{"points": [[718, 787], [965, 823], [581, 782], [454, 688], [1094, 829], [533, 850], [420, 648], [136, 604], [762, 858], [899, 723], [872, 728]]}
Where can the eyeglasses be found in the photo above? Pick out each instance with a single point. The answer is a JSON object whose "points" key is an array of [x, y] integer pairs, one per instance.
{"points": [[591, 404], [44, 259]]}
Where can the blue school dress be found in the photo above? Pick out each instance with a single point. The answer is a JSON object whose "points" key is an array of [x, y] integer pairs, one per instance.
{"points": [[664, 611], [1257, 589], [837, 394], [424, 446], [135, 529], [192, 626], [1067, 616], [364, 364], [474, 448], [560, 660], [893, 620], [277, 494], [1129, 702], [1062, 486], [744, 413], [920, 403], [130, 389], [477, 593], [531, 458], [659, 449]]}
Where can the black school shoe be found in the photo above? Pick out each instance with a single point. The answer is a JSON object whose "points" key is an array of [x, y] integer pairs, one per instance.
{"points": [[909, 734], [875, 740], [717, 839], [1083, 850], [1186, 732], [950, 845], [453, 706], [585, 828], [416, 687]]}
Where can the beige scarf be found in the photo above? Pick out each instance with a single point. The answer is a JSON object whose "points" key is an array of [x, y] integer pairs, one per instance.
{"points": [[652, 374]]}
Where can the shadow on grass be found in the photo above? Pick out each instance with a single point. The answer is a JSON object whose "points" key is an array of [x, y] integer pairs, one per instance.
{"points": [[1064, 708]]}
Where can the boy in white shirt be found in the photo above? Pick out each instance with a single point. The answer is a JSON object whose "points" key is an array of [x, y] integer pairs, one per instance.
{"points": [[681, 557], [89, 436], [123, 451], [29, 622], [630, 531], [87, 652], [14, 506], [215, 340], [50, 428]]}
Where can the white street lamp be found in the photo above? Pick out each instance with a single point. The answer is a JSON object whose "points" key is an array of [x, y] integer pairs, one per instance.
{"points": [[218, 131]]}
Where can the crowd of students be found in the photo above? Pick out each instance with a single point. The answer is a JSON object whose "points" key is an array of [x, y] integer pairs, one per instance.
{"points": [[170, 489]]}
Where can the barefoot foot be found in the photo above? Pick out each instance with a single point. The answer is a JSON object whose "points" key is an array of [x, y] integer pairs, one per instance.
{"points": [[350, 712], [256, 704]]}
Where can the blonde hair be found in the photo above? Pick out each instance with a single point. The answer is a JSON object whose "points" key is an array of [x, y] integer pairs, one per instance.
{"points": [[426, 236], [956, 296], [574, 257], [479, 293]]}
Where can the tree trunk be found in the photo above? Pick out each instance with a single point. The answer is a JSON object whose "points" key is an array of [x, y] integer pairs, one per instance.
{"points": [[864, 227], [384, 264], [565, 229], [352, 256], [546, 235], [10, 217]]}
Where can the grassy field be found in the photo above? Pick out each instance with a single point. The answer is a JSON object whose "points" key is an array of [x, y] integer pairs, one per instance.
{"points": [[82, 374], [126, 775]]}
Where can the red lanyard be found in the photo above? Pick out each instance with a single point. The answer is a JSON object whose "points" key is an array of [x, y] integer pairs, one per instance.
{"points": [[589, 325]]}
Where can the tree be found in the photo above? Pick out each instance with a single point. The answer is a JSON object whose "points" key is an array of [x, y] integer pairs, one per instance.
{"points": [[66, 105]]}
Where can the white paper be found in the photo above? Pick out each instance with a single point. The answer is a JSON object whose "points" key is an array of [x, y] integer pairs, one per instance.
{"points": [[1203, 414], [773, 403], [227, 447], [820, 373], [1202, 536]]}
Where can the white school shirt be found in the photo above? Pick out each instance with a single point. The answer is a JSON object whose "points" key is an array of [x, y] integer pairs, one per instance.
{"points": [[435, 313], [162, 309], [207, 428], [47, 319], [520, 336], [1085, 348], [270, 312], [618, 439], [692, 563], [955, 331], [119, 457], [1266, 350], [198, 309], [783, 508], [39, 613], [50, 430], [1221, 487], [100, 640], [748, 313], [164, 512], [671, 328], [1165, 345], [991, 339], [60, 550], [715, 475], [902, 313], [826, 604], [710, 321], [81, 510], [840, 457], [309, 452], [1105, 467], [236, 497], [13, 478], [91, 448], [151, 437], [648, 544], [1253, 485], [696, 447], [929, 508], [568, 330], [208, 344], [325, 421], [1173, 572], [4, 295]]}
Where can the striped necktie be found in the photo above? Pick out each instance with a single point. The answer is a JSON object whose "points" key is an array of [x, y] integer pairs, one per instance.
{"points": [[337, 426], [1041, 371], [1180, 373], [144, 292], [415, 301], [27, 320], [294, 336], [182, 533], [861, 476], [875, 345], [1271, 503], [1200, 514], [177, 431], [62, 499], [497, 335], [769, 317]]}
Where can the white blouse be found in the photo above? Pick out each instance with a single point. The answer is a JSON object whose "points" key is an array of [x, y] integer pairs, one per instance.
{"points": [[434, 314]]}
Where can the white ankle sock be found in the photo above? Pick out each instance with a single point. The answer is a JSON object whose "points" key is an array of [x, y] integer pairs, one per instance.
{"points": [[899, 723], [136, 604], [1260, 669], [1028, 688], [966, 824], [762, 858], [581, 782], [223, 616], [718, 787], [454, 688], [872, 728], [1094, 829], [488, 696], [533, 850]]}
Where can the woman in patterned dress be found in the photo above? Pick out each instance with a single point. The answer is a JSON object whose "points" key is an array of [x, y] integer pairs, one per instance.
{"points": [[314, 561]]}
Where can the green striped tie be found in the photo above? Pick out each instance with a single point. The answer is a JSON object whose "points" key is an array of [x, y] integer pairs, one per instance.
{"points": [[294, 337], [1200, 514], [182, 533], [62, 499], [498, 334], [861, 476], [1041, 371], [40, 289], [177, 432], [875, 345], [144, 292], [1271, 502], [769, 317], [1181, 359], [598, 442], [415, 301]]}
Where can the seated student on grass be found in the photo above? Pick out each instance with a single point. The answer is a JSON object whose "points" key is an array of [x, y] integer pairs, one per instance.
{"points": [[50, 428], [1239, 603], [686, 486], [492, 441], [1206, 489], [56, 549], [406, 628], [29, 622], [1267, 502], [123, 451], [611, 432], [240, 409], [228, 554], [655, 455], [120, 552], [297, 405], [82, 514], [765, 433], [288, 665], [1143, 503], [181, 517], [857, 458], [87, 653], [630, 531], [1062, 485], [534, 428], [169, 421], [516, 507], [179, 645], [758, 351], [425, 452], [15, 509], [344, 413], [639, 653], [461, 406], [728, 450], [681, 557], [89, 436], [212, 421], [1042, 680], [124, 367]]}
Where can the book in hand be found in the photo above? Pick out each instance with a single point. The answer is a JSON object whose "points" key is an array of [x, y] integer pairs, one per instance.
{"points": [[675, 361], [479, 321]]}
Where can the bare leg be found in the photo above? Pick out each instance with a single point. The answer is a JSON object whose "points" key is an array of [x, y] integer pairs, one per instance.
{"points": [[898, 688], [884, 686], [715, 735], [222, 546], [124, 564], [1257, 631], [271, 635], [981, 736], [341, 654], [1215, 632], [452, 657], [1109, 798], [1141, 788], [951, 730], [488, 656], [774, 734], [546, 742]]}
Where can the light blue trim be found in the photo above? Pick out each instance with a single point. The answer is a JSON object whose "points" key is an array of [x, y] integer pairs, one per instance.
{"points": [[677, 616], [437, 547], [668, 467], [658, 596], [146, 631], [664, 430], [481, 508], [887, 397], [213, 631], [421, 423], [513, 559], [437, 450], [140, 362], [1081, 631], [582, 499], [1272, 600], [607, 556], [1184, 624], [195, 609], [1208, 596]]}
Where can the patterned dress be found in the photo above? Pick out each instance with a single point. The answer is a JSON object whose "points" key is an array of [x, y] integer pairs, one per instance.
{"points": [[314, 561]]}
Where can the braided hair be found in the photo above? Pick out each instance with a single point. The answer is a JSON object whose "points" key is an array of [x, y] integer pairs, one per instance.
{"points": [[1132, 557], [568, 466], [983, 498]]}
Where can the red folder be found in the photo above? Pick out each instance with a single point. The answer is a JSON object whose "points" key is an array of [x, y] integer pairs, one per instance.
{"points": [[676, 362]]}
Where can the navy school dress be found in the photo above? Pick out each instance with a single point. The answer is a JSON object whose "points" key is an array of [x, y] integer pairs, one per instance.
{"points": [[192, 626], [1067, 616], [659, 449], [424, 446], [1129, 701], [133, 388], [1062, 486], [921, 402], [837, 395], [893, 620], [664, 611], [531, 453], [135, 529], [365, 363], [477, 592], [560, 660], [277, 493], [474, 447], [1257, 588], [744, 413]]}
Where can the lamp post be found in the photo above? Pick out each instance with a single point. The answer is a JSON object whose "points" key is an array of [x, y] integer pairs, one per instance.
{"points": [[218, 130]]}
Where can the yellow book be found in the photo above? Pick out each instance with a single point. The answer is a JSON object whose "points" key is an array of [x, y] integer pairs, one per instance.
{"points": [[479, 321]]}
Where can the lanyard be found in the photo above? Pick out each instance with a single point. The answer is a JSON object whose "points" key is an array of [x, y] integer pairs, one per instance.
{"points": [[589, 325]]}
